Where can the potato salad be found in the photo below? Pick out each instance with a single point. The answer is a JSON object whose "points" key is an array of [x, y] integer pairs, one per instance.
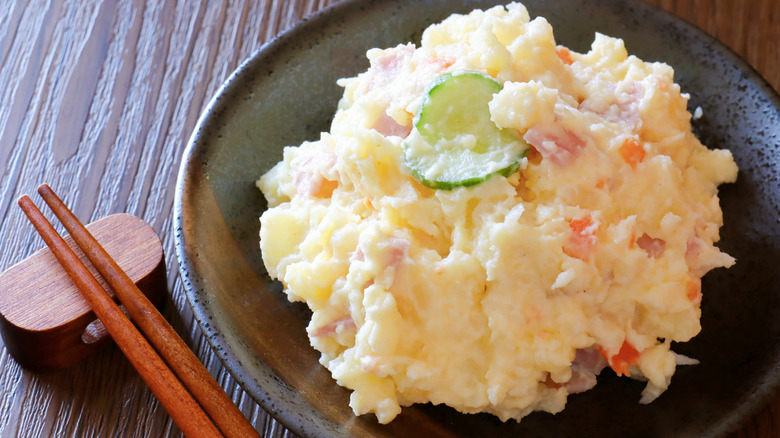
{"points": [[494, 219]]}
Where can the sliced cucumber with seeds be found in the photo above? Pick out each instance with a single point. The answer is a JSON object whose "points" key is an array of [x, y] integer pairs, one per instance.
{"points": [[454, 143]]}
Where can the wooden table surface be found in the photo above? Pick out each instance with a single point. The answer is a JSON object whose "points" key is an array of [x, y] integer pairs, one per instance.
{"points": [[98, 99]]}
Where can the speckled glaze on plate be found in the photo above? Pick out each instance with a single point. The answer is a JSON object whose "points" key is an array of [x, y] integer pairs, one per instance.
{"points": [[286, 93]]}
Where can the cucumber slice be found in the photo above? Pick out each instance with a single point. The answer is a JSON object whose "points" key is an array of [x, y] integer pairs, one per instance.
{"points": [[454, 143]]}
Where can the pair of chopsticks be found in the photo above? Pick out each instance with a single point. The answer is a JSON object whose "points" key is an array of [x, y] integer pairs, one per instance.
{"points": [[213, 414]]}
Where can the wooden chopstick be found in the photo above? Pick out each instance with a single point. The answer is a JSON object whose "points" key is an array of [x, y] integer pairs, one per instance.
{"points": [[162, 336], [180, 405]]}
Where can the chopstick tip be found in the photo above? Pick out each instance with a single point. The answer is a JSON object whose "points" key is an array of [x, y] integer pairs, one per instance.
{"points": [[28, 207], [24, 200], [44, 188]]}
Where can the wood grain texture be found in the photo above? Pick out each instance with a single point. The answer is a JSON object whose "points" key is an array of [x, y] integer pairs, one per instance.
{"points": [[99, 99]]}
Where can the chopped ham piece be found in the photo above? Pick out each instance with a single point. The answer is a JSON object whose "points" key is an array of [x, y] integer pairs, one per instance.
{"points": [[387, 66], [399, 251], [693, 250], [344, 324], [580, 381], [310, 181], [393, 59], [370, 364], [587, 364], [387, 126], [590, 359], [654, 247], [376, 365], [391, 255], [555, 143], [623, 109]]}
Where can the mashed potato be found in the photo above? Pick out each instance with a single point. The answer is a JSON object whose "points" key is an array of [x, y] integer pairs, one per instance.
{"points": [[509, 295]]}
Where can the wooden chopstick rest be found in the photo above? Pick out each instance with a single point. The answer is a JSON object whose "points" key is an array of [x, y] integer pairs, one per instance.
{"points": [[45, 322]]}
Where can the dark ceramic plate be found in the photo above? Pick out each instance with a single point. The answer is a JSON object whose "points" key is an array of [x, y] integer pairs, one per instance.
{"points": [[287, 93]]}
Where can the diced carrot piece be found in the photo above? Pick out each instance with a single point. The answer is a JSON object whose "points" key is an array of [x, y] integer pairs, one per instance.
{"points": [[565, 54], [582, 238], [326, 188], [626, 357], [693, 289], [621, 362], [533, 155], [632, 152], [443, 62], [581, 225]]}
